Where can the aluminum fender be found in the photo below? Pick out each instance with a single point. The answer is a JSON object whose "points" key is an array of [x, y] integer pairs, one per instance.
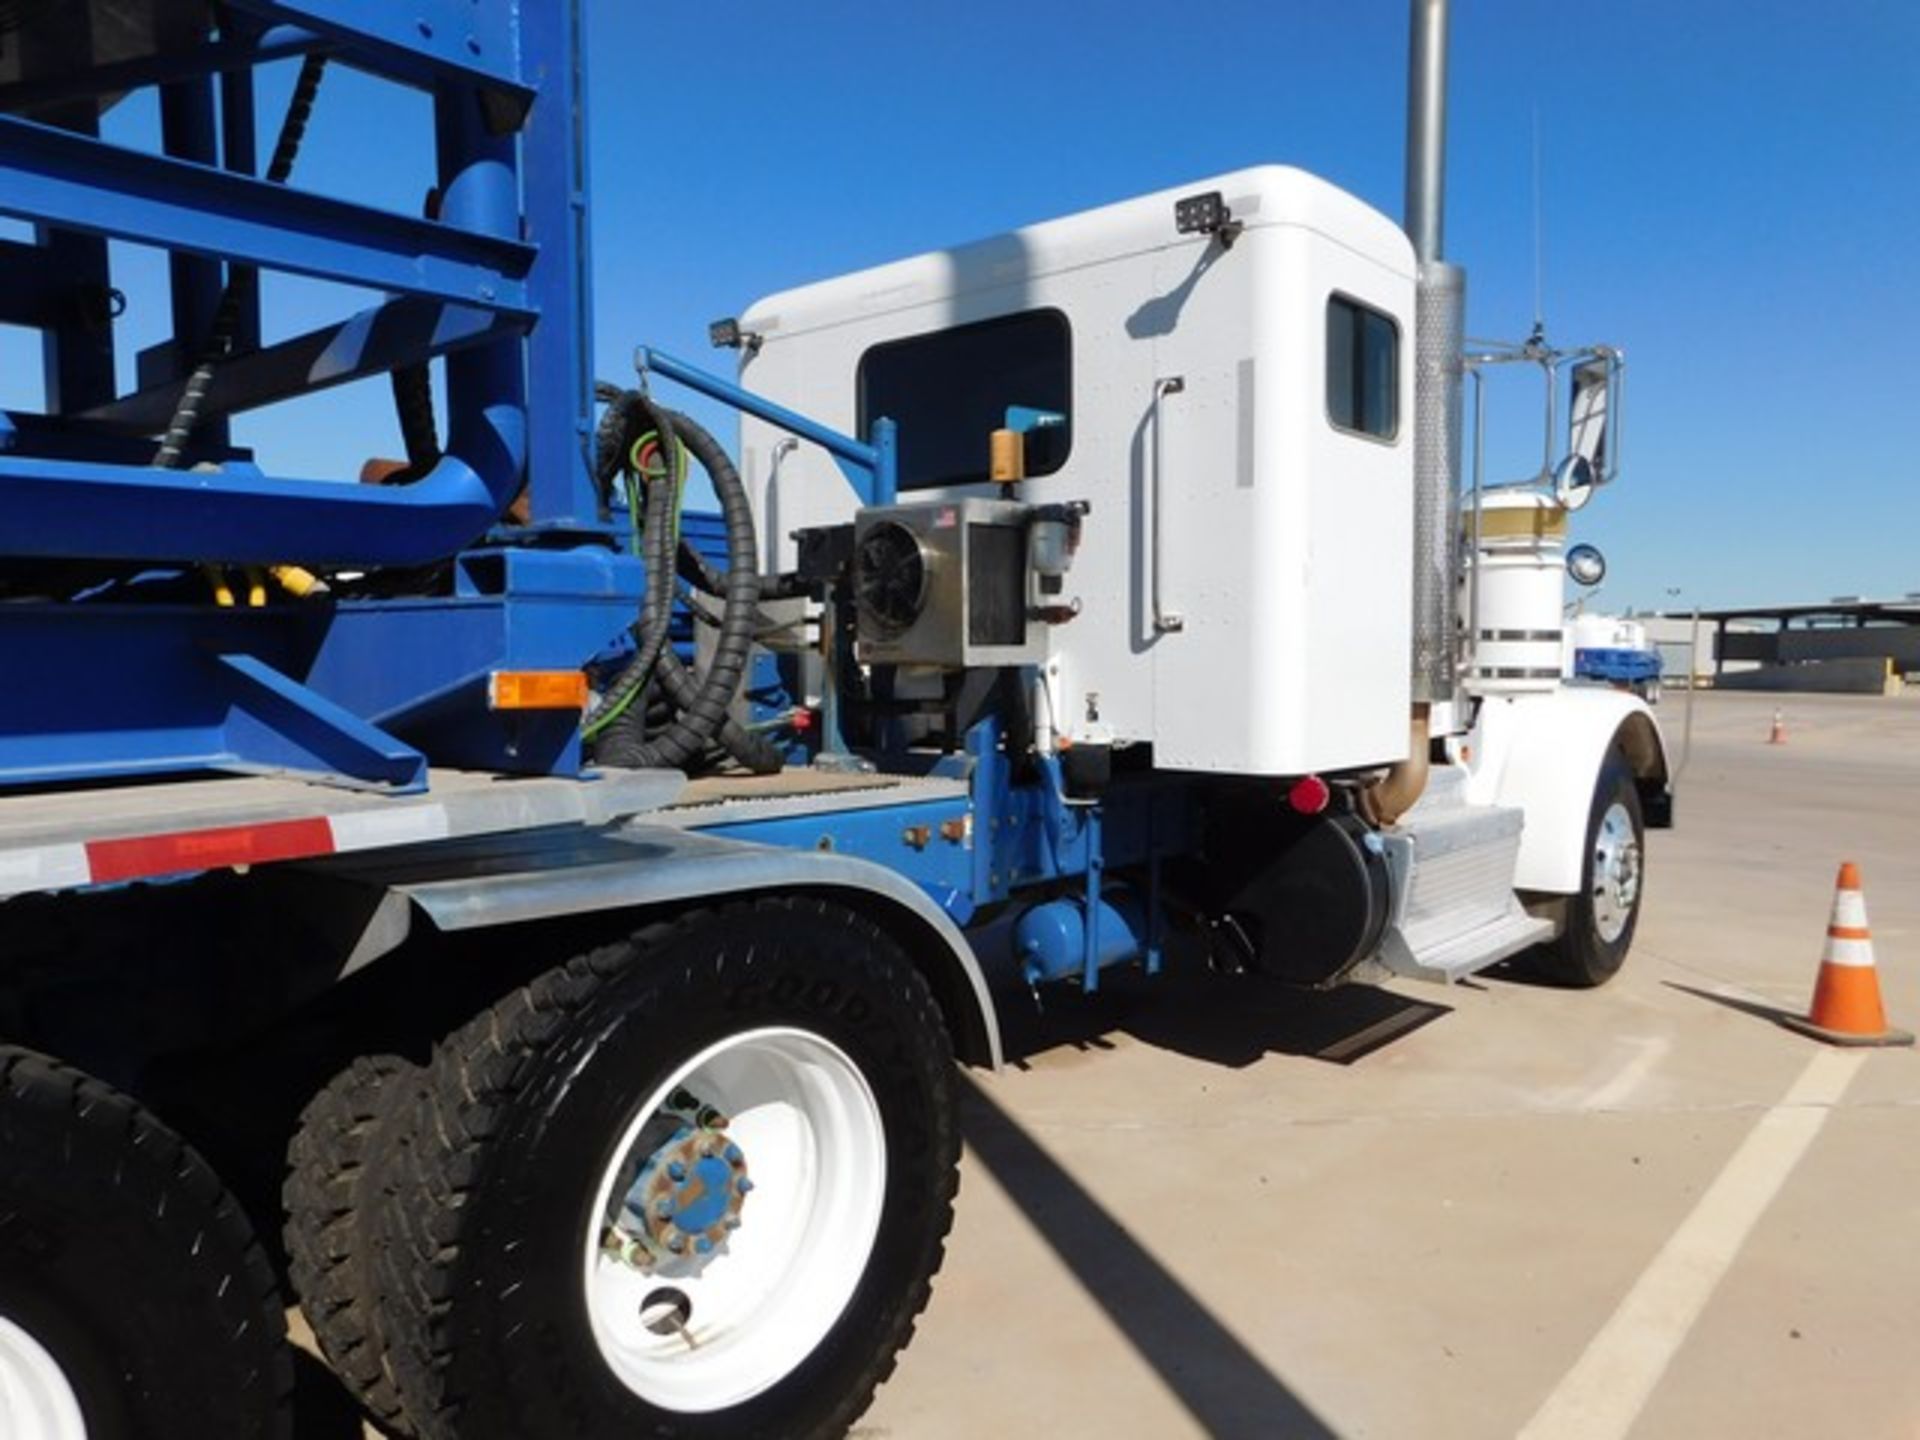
{"points": [[639, 865], [1543, 753]]}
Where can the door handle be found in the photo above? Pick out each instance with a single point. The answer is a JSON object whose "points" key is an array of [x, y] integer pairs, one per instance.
{"points": [[1165, 621]]}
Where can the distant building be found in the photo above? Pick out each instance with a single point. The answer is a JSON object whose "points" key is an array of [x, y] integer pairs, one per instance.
{"points": [[1849, 644]]}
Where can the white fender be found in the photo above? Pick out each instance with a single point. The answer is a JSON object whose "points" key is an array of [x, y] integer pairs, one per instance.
{"points": [[1543, 753]]}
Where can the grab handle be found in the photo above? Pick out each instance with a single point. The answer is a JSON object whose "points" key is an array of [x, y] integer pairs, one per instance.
{"points": [[1164, 621]]}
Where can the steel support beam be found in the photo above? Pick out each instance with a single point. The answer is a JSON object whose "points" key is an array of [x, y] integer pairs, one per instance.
{"points": [[401, 332], [422, 41], [80, 184], [28, 96], [561, 490]]}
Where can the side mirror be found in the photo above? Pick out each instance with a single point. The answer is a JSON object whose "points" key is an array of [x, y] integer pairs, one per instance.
{"points": [[1573, 482], [1590, 419], [1586, 566]]}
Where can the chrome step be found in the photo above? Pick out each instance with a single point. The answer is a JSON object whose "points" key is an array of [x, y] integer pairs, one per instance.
{"points": [[1467, 952], [1454, 908]]}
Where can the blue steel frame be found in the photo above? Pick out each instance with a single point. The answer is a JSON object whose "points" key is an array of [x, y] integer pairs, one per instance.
{"points": [[370, 692], [873, 468], [975, 851], [495, 282]]}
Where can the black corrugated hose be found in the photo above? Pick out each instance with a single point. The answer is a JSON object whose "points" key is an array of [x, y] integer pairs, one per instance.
{"points": [[186, 414], [702, 701], [413, 403], [412, 389]]}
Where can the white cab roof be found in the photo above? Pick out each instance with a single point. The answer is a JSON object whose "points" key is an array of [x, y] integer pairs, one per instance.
{"points": [[1261, 197]]}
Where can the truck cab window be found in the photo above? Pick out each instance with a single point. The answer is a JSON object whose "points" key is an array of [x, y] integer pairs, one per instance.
{"points": [[1363, 369], [950, 390]]}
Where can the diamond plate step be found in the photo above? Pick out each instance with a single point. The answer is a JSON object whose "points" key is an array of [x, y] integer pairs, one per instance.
{"points": [[1468, 952], [1454, 907]]}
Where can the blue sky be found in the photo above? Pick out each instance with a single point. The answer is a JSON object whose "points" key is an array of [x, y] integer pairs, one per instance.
{"points": [[1730, 192]]}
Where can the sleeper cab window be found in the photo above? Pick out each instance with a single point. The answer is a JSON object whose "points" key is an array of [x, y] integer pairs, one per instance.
{"points": [[948, 391], [1363, 369]]}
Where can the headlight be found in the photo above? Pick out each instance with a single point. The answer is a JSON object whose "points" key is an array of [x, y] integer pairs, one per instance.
{"points": [[1586, 565]]}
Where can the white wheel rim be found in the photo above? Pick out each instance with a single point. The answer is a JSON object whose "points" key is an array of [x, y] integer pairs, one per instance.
{"points": [[810, 1139], [35, 1396], [1616, 872]]}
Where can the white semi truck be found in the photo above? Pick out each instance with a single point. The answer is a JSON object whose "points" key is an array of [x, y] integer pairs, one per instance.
{"points": [[1257, 414], [576, 993]]}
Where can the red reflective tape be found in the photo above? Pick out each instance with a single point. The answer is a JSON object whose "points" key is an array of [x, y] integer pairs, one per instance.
{"points": [[142, 855]]}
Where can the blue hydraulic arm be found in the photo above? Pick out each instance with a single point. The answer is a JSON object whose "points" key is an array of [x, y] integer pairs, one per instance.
{"points": [[873, 468]]}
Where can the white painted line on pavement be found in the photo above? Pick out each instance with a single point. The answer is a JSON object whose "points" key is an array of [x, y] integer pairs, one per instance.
{"points": [[1609, 1385]]}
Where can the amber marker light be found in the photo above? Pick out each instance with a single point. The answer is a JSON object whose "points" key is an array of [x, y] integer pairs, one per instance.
{"points": [[537, 690]]}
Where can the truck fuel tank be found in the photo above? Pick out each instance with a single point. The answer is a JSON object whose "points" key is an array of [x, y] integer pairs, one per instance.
{"points": [[1305, 898]]}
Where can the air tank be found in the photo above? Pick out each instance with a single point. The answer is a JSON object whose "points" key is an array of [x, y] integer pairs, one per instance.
{"points": [[1519, 567]]}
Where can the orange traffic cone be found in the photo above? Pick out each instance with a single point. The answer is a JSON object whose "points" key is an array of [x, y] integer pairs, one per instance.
{"points": [[1846, 1006], [1778, 734]]}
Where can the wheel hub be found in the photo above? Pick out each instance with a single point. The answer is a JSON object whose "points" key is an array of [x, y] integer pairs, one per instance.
{"points": [[691, 1310], [688, 1194], [1616, 872]]}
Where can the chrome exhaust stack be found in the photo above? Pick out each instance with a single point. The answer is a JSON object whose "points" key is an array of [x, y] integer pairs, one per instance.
{"points": [[1440, 331]]}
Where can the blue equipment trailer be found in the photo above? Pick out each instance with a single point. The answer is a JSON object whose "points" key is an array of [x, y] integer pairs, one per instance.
{"points": [[314, 814], [478, 875]]}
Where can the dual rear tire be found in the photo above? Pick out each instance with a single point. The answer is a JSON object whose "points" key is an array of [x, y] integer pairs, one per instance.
{"points": [[693, 1183], [135, 1300]]}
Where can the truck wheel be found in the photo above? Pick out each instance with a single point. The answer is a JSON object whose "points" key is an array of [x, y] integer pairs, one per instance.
{"points": [[1601, 918], [328, 1194], [135, 1302], [692, 1184]]}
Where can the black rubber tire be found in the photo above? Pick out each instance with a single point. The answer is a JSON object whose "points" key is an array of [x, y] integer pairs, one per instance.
{"points": [[1580, 958], [495, 1172], [126, 1258], [332, 1178]]}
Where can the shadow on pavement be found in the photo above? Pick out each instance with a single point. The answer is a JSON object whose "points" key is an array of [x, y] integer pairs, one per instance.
{"points": [[1223, 1385], [1224, 1020], [1756, 1008]]}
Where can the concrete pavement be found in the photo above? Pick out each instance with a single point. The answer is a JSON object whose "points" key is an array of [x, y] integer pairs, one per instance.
{"points": [[1573, 1215], [1176, 1220]]}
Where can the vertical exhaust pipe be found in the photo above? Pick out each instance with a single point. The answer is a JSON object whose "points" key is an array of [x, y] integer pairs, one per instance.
{"points": [[1425, 221], [1440, 332], [1440, 312]]}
